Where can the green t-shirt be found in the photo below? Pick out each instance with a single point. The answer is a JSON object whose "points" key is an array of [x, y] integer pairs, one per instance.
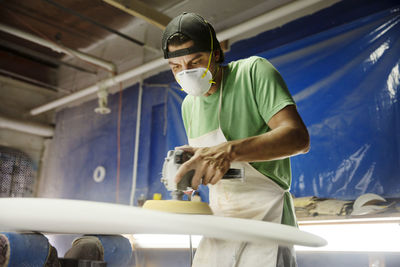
{"points": [[253, 92]]}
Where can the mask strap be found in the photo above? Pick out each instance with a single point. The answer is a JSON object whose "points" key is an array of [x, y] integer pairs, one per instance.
{"points": [[209, 59], [212, 80]]}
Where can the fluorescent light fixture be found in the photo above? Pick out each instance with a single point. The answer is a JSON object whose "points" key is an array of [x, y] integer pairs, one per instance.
{"points": [[355, 235], [345, 235]]}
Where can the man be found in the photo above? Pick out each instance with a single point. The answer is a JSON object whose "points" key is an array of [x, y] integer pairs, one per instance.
{"points": [[240, 115]]}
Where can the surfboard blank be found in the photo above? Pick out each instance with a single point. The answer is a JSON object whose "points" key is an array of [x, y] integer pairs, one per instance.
{"points": [[61, 216]]}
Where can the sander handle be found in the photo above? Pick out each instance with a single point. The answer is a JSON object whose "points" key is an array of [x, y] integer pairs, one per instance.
{"points": [[234, 174], [181, 156]]}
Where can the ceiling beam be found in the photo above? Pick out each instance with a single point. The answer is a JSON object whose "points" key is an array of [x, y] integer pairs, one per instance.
{"points": [[141, 10], [38, 56], [59, 48]]}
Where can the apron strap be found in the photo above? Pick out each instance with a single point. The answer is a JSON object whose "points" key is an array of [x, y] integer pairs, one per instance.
{"points": [[220, 97], [219, 105], [191, 117]]}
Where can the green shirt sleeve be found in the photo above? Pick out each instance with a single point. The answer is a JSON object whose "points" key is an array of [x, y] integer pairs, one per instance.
{"points": [[270, 89]]}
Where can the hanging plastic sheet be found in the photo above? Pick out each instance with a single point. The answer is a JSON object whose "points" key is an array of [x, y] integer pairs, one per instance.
{"points": [[345, 82]]}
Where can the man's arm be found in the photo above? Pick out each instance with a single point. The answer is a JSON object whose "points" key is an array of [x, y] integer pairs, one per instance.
{"points": [[288, 136]]}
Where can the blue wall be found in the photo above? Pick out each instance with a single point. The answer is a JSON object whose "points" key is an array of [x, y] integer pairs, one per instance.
{"points": [[342, 66]]}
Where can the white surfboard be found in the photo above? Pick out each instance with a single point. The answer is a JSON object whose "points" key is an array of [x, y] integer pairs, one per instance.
{"points": [[64, 216]]}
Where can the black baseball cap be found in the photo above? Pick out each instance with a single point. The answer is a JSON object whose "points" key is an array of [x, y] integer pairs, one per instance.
{"points": [[195, 28]]}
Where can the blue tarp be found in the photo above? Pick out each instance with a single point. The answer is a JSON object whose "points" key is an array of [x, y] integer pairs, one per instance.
{"points": [[345, 82], [344, 76]]}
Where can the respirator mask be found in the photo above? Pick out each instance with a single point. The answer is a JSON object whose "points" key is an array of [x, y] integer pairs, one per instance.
{"points": [[195, 82]]}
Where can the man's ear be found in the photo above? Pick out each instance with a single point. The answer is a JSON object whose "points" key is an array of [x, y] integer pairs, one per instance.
{"points": [[217, 54]]}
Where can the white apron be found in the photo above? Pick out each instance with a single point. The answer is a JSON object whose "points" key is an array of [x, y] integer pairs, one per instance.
{"points": [[257, 197]]}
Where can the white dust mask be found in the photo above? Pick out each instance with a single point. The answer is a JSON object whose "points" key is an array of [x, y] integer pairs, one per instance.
{"points": [[195, 82]]}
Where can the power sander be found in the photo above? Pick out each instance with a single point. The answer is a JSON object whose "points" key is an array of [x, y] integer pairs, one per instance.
{"points": [[174, 159]]}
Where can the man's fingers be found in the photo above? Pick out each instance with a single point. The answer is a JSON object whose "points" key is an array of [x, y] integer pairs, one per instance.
{"points": [[186, 148], [181, 147], [207, 169], [208, 176], [197, 177], [217, 176], [183, 169]]}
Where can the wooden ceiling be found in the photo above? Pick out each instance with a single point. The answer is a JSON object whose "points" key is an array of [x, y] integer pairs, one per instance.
{"points": [[50, 21], [75, 24], [78, 25]]}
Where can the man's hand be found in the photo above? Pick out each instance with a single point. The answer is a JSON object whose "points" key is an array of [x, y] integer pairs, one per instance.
{"points": [[210, 164], [288, 136]]}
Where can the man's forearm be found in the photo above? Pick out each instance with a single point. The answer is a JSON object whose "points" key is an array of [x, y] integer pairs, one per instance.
{"points": [[279, 143]]}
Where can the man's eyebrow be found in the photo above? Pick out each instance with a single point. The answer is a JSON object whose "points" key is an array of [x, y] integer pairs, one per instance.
{"points": [[196, 57]]}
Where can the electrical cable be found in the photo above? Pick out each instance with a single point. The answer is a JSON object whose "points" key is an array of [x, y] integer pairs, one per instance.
{"points": [[136, 147], [191, 250], [118, 142]]}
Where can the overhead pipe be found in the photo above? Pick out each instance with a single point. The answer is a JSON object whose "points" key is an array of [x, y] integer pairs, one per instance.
{"points": [[26, 127], [284, 13], [59, 48], [94, 88]]}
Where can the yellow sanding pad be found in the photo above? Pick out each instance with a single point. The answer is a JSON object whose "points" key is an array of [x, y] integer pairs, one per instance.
{"points": [[178, 206]]}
